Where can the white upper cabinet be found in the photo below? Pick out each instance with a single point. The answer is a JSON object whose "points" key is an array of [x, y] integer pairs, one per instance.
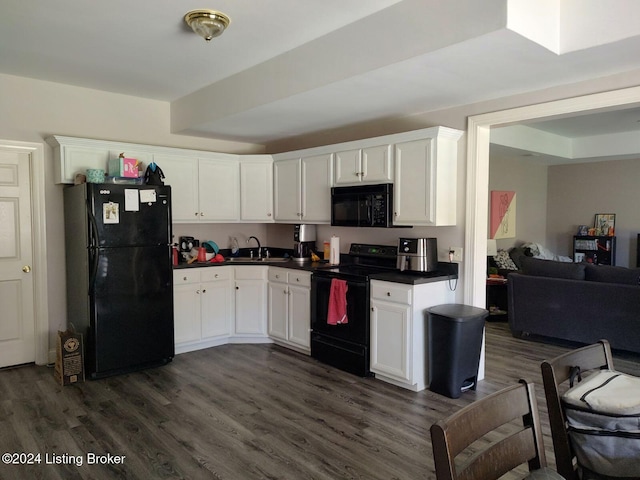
{"points": [[256, 188], [302, 189], [291, 187], [425, 187], [287, 183], [315, 188], [181, 172], [219, 183], [363, 165], [202, 189]]}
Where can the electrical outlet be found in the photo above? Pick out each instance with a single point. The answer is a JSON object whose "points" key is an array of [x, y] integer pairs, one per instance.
{"points": [[457, 254]]}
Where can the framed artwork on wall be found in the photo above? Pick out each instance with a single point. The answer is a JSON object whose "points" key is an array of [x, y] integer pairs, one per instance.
{"points": [[605, 224], [502, 214]]}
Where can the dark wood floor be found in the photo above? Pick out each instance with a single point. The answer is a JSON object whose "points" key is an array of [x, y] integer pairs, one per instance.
{"points": [[244, 412]]}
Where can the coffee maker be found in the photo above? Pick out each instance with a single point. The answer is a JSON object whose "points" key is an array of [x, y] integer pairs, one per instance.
{"points": [[304, 237], [418, 254]]}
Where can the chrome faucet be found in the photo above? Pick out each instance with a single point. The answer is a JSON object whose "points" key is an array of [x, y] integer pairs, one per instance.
{"points": [[258, 242]]}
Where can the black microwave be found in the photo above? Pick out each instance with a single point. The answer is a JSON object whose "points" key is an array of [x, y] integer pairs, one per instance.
{"points": [[362, 206]]}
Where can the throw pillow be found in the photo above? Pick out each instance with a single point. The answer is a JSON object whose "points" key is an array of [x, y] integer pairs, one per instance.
{"points": [[551, 268], [503, 260], [611, 274]]}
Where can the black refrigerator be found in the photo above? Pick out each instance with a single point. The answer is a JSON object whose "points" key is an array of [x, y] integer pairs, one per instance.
{"points": [[119, 275]]}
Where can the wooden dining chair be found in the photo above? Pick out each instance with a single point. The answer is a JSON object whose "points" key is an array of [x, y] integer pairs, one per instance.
{"points": [[554, 374], [491, 437]]}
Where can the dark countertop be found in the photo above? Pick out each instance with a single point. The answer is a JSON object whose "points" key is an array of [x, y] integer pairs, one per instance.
{"points": [[445, 272], [414, 278]]}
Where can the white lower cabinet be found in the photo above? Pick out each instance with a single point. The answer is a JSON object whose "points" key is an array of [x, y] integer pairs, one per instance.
{"points": [[218, 305], [203, 307], [251, 302], [289, 308], [398, 330]]}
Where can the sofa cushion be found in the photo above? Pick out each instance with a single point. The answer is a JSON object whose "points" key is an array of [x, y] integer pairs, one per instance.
{"points": [[610, 274], [552, 268], [516, 254]]}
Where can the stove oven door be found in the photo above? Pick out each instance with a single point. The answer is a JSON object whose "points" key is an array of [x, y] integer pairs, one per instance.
{"points": [[345, 346]]}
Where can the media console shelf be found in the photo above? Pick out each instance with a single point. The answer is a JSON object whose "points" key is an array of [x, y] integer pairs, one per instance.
{"points": [[597, 250]]}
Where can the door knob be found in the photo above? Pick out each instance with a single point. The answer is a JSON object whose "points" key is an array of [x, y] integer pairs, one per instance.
{"points": [[26, 269]]}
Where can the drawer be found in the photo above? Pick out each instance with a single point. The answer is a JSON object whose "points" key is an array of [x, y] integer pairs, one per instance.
{"points": [[277, 274], [212, 274], [299, 278], [391, 292], [186, 275]]}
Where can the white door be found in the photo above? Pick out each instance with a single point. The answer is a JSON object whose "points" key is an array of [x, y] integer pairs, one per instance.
{"points": [[17, 321]]}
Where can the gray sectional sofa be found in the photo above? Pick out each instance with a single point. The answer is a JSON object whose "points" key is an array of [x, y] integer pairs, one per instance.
{"points": [[575, 302]]}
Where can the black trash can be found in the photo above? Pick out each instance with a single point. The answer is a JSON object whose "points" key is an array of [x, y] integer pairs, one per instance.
{"points": [[455, 341]]}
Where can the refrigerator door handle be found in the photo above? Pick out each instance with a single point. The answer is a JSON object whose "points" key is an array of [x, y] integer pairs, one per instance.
{"points": [[94, 252]]}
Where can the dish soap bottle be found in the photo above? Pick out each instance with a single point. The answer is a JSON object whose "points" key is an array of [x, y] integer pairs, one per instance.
{"points": [[235, 248]]}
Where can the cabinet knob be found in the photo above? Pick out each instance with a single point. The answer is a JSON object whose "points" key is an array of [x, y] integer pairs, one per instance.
{"points": [[198, 292], [184, 278], [201, 214], [237, 287], [204, 290], [388, 294], [215, 276], [297, 279], [357, 174], [372, 309], [277, 276], [268, 214]]}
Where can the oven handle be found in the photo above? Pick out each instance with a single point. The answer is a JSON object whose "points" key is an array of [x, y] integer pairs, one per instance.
{"points": [[329, 276]]}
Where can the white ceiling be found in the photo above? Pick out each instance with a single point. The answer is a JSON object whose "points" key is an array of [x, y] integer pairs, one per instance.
{"points": [[293, 67]]}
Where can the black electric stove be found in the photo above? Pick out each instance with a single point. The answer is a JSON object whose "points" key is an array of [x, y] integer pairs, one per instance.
{"points": [[346, 346]]}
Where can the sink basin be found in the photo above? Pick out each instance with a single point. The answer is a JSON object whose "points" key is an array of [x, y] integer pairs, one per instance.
{"points": [[257, 260]]}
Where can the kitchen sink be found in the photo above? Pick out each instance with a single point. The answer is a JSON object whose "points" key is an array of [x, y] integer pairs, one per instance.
{"points": [[258, 260]]}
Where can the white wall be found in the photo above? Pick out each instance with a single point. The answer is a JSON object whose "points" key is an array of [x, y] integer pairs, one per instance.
{"points": [[578, 192]]}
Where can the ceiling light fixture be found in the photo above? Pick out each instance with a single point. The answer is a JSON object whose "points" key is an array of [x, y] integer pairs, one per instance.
{"points": [[207, 23]]}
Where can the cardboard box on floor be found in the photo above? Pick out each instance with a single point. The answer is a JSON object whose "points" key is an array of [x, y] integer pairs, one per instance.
{"points": [[69, 358]]}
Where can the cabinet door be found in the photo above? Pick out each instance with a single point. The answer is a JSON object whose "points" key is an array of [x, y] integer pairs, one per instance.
{"points": [[347, 165], [251, 307], [376, 165], [390, 339], [216, 310], [300, 316], [256, 190], [78, 159], [413, 202], [287, 206], [182, 174], [219, 186], [316, 188], [186, 317], [278, 310]]}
